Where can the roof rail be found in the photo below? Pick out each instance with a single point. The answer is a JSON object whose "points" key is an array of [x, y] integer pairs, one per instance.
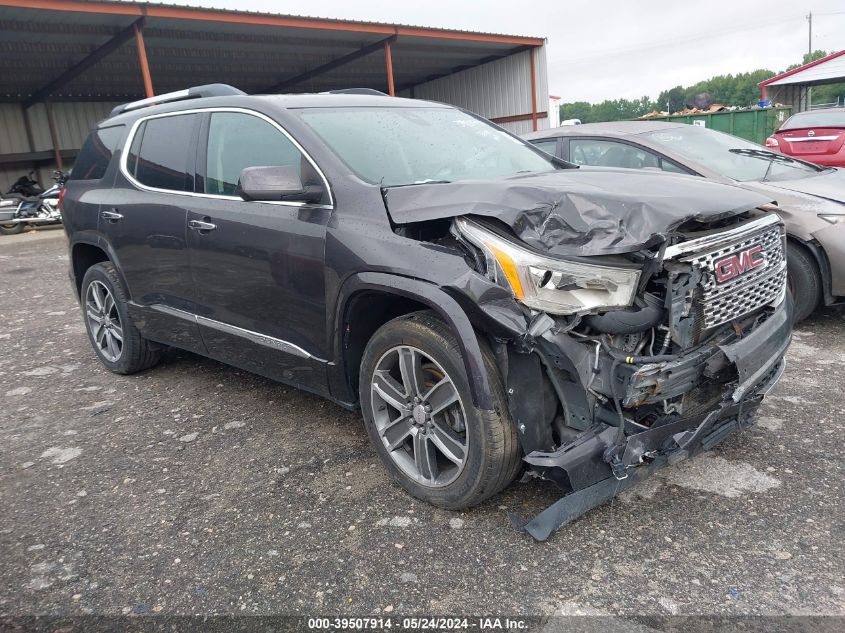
{"points": [[197, 92], [358, 91]]}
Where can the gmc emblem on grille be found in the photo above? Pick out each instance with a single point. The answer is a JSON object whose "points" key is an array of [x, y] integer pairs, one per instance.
{"points": [[739, 263]]}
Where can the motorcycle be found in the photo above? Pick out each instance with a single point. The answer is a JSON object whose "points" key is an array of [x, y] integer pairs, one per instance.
{"points": [[27, 203]]}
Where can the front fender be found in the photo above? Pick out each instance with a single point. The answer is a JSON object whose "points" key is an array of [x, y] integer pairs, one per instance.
{"points": [[831, 278], [436, 299], [830, 255]]}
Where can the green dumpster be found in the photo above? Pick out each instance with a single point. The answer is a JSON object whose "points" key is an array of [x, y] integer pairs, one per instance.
{"points": [[754, 125]]}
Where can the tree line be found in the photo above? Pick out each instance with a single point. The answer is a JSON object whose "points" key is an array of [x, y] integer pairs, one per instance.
{"points": [[733, 90]]}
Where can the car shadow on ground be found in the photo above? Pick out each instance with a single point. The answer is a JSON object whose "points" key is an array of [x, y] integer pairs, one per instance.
{"points": [[524, 498]]}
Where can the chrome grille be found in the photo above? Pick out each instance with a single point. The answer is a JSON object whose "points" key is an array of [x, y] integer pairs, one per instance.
{"points": [[724, 308], [747, 291]]}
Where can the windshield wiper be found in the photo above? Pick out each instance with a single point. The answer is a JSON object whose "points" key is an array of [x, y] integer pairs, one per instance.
{"points": [[772, 157], [418, 182], [763, 153]]}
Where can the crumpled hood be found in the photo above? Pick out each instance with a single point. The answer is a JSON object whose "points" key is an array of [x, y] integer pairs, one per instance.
{"points": [[829, 185], [586, 211]]}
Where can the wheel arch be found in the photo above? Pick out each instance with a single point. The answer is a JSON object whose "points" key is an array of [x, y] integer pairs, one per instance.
{"points": [[86, 251], [388, 297], [83, 255], [822, 264]]}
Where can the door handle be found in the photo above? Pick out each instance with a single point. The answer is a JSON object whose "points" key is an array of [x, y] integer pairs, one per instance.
{"points": [[199, 225], [111, 216]]}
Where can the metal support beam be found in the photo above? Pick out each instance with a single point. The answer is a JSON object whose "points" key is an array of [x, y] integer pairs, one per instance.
{"points": [[84, 64], [142, 59], [519, 117], [54, 136], [388, 61], [533, 91], [328, 66], [46, 156]]}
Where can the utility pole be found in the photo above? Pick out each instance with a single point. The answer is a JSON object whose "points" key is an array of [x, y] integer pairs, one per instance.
{"points": [[810, 33], [809, 55]]}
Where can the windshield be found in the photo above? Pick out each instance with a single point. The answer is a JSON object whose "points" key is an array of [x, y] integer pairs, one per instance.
{"points": [[815, 119], [406, 146], [730, 156]]}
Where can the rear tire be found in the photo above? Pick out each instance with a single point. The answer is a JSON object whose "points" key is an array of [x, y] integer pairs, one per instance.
{"points": [[11, 229], [804, 281], [485, 440], [115, 339]]}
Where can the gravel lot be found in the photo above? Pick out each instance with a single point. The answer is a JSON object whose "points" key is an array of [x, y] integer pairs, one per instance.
{"points": [[196, 488]]}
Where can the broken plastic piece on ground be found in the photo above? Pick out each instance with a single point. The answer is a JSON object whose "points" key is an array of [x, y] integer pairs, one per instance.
{"points": [[570, 507], [712, 428]]}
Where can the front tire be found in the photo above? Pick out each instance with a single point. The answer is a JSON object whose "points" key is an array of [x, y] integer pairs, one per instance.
{"points": [[804, 281], [419, 414], [115, 339]]}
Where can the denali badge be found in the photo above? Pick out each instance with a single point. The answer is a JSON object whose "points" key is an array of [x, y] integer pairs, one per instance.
{"points": [[739, 263]]}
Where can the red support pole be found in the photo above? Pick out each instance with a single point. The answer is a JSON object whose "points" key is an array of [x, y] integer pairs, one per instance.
{"points": [[388, 60], [533, 92], [142, 60]]}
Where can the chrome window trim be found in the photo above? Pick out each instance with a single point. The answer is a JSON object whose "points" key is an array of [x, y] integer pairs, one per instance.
{"points": [[811, 138], [255, 337], [717, 239], [134, 129]]}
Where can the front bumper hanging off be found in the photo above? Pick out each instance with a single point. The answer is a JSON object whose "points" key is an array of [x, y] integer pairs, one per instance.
{"points": [[759, 363]]}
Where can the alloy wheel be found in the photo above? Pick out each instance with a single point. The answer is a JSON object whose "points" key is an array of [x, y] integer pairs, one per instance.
{"points": [[103, 321], [419, 416]]}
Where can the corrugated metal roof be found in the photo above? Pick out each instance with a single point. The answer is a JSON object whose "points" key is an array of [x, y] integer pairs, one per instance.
{"points": [[41, 39]]}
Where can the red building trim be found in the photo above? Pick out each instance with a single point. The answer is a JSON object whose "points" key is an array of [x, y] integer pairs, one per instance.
{"points": [[264, 19], [789, 73]]}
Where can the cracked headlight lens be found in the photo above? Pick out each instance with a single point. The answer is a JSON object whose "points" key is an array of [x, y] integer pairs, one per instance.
{"points": [[552, 285]]}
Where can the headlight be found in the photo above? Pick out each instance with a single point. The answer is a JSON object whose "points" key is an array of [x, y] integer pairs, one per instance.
{"points": [[833, 218], [551, 285]]}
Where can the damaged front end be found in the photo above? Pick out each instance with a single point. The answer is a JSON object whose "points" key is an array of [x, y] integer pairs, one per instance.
{"points": [[636, 318], [632, 361]]}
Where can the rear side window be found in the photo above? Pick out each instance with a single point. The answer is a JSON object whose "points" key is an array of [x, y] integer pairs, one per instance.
{"points": [[96, 153], [817, 118], [600, 153], [161, 154], [665, 165], [237, 141], [547, 145]]}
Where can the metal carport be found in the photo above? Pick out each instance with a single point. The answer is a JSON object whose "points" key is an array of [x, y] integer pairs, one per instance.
{"points": [[792, 88], [66, 63]]}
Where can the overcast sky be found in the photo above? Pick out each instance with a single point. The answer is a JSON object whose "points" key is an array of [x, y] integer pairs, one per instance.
{"points": [[606, 49]]}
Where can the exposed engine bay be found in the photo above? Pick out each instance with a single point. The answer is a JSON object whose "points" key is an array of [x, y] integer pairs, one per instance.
{"points": [[629, 358]]}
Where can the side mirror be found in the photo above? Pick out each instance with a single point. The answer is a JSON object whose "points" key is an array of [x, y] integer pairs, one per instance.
{"points": [[274, 184]]}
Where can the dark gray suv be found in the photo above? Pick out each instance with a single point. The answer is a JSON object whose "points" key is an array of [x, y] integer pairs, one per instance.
{"points": [[490, 309]]}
